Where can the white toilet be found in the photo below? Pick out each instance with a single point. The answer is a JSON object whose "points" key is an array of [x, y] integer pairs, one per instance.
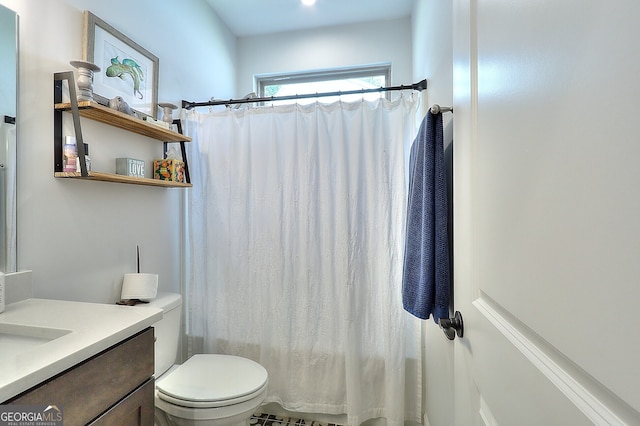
{"points": [[206, 389]]}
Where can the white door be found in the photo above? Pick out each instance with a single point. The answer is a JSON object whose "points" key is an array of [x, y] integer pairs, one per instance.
{"points": [[547, 211]]}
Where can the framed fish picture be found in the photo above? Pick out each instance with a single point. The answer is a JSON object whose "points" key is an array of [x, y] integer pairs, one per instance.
{"points": [[126, 68]]}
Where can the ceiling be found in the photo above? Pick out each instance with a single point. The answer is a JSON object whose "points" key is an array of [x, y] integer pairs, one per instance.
{"points": [[257, 17]]}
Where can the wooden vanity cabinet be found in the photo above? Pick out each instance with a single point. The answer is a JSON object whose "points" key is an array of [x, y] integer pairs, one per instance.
{"points": [[114, 387]]}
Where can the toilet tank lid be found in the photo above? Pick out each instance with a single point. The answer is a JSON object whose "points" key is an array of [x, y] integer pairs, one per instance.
{"points": [[165, 301]]}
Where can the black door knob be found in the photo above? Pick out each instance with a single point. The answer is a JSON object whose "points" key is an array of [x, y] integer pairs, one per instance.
{"points": [[452, 326]]}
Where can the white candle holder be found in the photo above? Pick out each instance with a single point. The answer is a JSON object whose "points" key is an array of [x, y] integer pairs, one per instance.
{"points": [[167, 109], [85, 79]]}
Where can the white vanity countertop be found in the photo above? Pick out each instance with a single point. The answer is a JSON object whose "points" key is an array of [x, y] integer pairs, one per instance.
{"points": [[93, 328]]}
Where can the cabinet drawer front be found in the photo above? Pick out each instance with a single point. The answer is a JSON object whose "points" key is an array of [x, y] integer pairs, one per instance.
{"points": [[137, 409], [90, 388]]}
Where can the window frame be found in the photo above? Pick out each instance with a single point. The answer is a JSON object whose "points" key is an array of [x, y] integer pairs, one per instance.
{"points": [[263, 80]]}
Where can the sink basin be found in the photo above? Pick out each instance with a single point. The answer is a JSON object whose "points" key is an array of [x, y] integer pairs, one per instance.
{"points": [[16, 338]]}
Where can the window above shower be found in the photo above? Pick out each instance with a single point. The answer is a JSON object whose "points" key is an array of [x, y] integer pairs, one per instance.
{"points": [[326, 81]]}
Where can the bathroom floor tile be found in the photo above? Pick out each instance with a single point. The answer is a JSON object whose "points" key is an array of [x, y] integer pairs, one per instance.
{"points": [[263, 419], [281, 421], [256, 421]]}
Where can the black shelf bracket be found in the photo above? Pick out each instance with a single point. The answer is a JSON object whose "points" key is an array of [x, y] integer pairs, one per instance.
{"points": [[58, 78]]}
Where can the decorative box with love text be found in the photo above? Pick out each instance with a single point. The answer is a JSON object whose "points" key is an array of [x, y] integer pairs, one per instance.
{"points": [[130, 167]]}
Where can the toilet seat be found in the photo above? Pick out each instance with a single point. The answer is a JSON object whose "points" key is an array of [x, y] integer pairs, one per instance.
{"points": [[209, 381]]}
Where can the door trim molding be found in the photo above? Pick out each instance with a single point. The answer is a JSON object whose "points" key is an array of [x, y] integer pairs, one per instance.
{"points": [[583, 399], [486, 415]]}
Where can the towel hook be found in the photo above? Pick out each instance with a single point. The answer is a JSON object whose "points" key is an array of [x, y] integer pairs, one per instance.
{"points": [[436, 109], [452, 326]]}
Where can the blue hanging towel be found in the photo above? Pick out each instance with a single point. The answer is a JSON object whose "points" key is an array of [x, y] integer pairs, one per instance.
{"points": [[425, 280]]}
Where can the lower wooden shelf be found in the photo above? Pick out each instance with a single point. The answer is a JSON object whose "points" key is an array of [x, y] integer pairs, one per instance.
{"points": [[111, 177]]}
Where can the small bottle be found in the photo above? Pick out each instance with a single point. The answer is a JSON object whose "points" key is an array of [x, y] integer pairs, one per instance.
{"points": [[87, 160], [70, 154]]}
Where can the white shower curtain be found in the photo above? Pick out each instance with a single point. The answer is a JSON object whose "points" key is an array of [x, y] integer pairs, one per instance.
{"points": [[296, 230]]}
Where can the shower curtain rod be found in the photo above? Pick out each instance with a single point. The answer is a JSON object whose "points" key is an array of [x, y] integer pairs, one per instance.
{"points": [[422, 85]]}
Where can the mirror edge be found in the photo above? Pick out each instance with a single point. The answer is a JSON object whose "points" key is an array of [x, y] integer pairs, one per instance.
{"points": [[9, 240]]}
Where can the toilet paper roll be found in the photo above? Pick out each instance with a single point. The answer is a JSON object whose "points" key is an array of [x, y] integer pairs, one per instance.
{"points": [[139, 286]]}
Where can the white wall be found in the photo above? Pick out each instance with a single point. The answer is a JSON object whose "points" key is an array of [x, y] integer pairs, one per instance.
{"points": [[340, 46], [433, 59], [80, 237]]}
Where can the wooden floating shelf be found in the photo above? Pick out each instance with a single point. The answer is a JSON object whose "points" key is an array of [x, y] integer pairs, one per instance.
{"points": [[110, 177], [103, 114]]}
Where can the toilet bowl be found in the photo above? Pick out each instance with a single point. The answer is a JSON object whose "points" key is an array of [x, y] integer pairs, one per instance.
{"points": [[207, 389], [212, 389]]}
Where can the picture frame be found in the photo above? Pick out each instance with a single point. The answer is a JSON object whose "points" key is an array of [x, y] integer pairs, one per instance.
{"points": [[126, 68]]}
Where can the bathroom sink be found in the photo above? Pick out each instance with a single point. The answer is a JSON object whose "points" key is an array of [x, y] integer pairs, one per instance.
{"points": [[16, 338]]}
